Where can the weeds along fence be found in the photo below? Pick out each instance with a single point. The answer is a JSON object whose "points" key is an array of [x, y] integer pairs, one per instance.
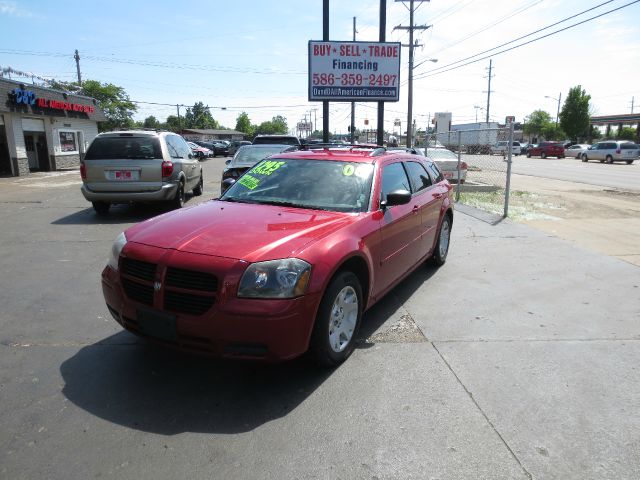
{"points": [[487, 154]]}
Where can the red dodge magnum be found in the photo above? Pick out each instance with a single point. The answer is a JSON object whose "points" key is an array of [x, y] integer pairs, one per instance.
{"points": [[287, 260]]}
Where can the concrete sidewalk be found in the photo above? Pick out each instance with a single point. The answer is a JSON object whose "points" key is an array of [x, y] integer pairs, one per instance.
{"points": [[544, 337]]}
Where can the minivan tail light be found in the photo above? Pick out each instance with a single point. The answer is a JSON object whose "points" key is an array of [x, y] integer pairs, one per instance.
{"points": [[618, 151], [83, 171], [464, 166], [167, 168]]}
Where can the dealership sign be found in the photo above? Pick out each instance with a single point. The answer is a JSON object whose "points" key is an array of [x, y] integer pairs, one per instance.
{"points": [[28, 97], [354, 71]]}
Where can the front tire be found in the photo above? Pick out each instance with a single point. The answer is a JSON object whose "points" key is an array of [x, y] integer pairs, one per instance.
{"points": [[585, 158], [337, 322], [609, 159], [441, 249], [543, 155], [528, 154]]}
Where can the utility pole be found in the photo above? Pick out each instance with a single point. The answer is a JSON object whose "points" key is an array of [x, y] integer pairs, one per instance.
{"points": [[382, 36], [411, 46], [77, 57], [325, 103], [353, 104], [179, 121], [632, 99], [489, 90]]}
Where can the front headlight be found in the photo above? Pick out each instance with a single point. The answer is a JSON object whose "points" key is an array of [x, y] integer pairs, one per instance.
{"points": [[285, 278], [116, 248]]}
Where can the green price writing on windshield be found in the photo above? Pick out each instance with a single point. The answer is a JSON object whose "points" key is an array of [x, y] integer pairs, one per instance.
{"points": [[267, 168], [348, 170], [249, 182]]}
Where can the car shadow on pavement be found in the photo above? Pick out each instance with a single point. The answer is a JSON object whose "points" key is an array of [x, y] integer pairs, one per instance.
{"points": [[123, 213], [127, 381], [375, 318], [131, 383]]}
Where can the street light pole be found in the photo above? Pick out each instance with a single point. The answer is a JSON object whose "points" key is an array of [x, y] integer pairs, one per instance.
{"points": [[559, 99]]}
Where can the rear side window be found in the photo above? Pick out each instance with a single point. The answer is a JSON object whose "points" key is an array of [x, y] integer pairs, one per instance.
{"points": [[119, 148], [418, 176], [435, 171]]}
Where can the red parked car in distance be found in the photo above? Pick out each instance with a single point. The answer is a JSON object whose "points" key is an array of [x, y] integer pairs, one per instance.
{"points": [[546, 149], [287, 260]]}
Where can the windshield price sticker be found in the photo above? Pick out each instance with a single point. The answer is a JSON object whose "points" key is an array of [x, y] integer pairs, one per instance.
{"points": [[250, 182], [354, 71], [267, 168]]}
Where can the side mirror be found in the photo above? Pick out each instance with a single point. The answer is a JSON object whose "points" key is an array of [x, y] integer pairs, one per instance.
{"points": [[397, 197], [227, 182], [190, 156], [227, 162]]}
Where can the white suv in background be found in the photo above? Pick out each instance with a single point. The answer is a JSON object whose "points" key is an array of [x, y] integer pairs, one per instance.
{"points": [[612, 151], [500, 148]]}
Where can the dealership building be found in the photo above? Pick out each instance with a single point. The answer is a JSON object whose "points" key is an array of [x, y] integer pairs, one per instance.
{"points": [[43, 129]]}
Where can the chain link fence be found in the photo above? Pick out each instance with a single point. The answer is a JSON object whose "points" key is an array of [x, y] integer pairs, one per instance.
{"points": [[487, 154]]}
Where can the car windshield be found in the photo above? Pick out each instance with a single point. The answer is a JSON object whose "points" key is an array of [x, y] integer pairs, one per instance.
{"points": [[110, 148], [315, 184], [250, 155]]}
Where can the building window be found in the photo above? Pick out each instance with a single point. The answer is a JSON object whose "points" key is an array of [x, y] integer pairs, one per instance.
{"points": [[68, 142]]}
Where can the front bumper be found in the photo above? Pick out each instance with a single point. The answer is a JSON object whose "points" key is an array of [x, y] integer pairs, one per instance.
{"points": [[250, 329]]}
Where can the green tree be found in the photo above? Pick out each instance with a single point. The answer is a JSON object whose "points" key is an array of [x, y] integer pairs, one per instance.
{"points": [[151, 122], [537, 122], [627, 133], [114, 102], [243, 124], [574, 117], [173, 123], [199, 116], [276, 126]]}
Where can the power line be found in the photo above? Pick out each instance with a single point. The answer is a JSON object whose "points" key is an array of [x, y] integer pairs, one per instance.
{"points": [[439, 70]]}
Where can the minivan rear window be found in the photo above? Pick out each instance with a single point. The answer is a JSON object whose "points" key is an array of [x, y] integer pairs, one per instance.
{"points": [[276, 140], [120, 148], [628, 146]]}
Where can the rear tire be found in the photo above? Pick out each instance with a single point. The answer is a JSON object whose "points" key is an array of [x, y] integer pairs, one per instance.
{"points": [[337, 321], [543, 155], [179, 199], [199, 188], [528, 154], [629, 162], [441, 249], [101, 208]]}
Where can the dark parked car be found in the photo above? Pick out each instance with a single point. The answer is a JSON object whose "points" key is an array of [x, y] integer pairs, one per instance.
{"points": [[277, 139], [287, 260], [218, 148], [235, 145], [247, 156], [546, 149]]}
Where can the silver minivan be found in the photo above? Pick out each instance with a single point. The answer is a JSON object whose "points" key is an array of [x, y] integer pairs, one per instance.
{"points": [[139, 166], [612, 151]]}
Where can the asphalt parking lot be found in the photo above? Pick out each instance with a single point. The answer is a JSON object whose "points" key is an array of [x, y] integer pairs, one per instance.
{"points": [[517, 359]]}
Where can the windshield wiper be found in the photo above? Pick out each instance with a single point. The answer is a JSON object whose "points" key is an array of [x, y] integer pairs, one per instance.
{"points": [[236, 200]]}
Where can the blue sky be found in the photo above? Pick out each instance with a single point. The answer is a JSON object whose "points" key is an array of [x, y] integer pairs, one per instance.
{"points": [[252, 56]]}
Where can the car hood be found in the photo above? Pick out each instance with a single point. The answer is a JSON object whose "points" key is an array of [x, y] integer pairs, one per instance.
{"points": [[239, 231]]}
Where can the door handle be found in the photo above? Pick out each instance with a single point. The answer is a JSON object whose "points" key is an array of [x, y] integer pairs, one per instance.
{"points": [[437, 195], [416, 208]]}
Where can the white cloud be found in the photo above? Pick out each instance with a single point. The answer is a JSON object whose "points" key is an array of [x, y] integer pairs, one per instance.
{"points": [[13, 10]]}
